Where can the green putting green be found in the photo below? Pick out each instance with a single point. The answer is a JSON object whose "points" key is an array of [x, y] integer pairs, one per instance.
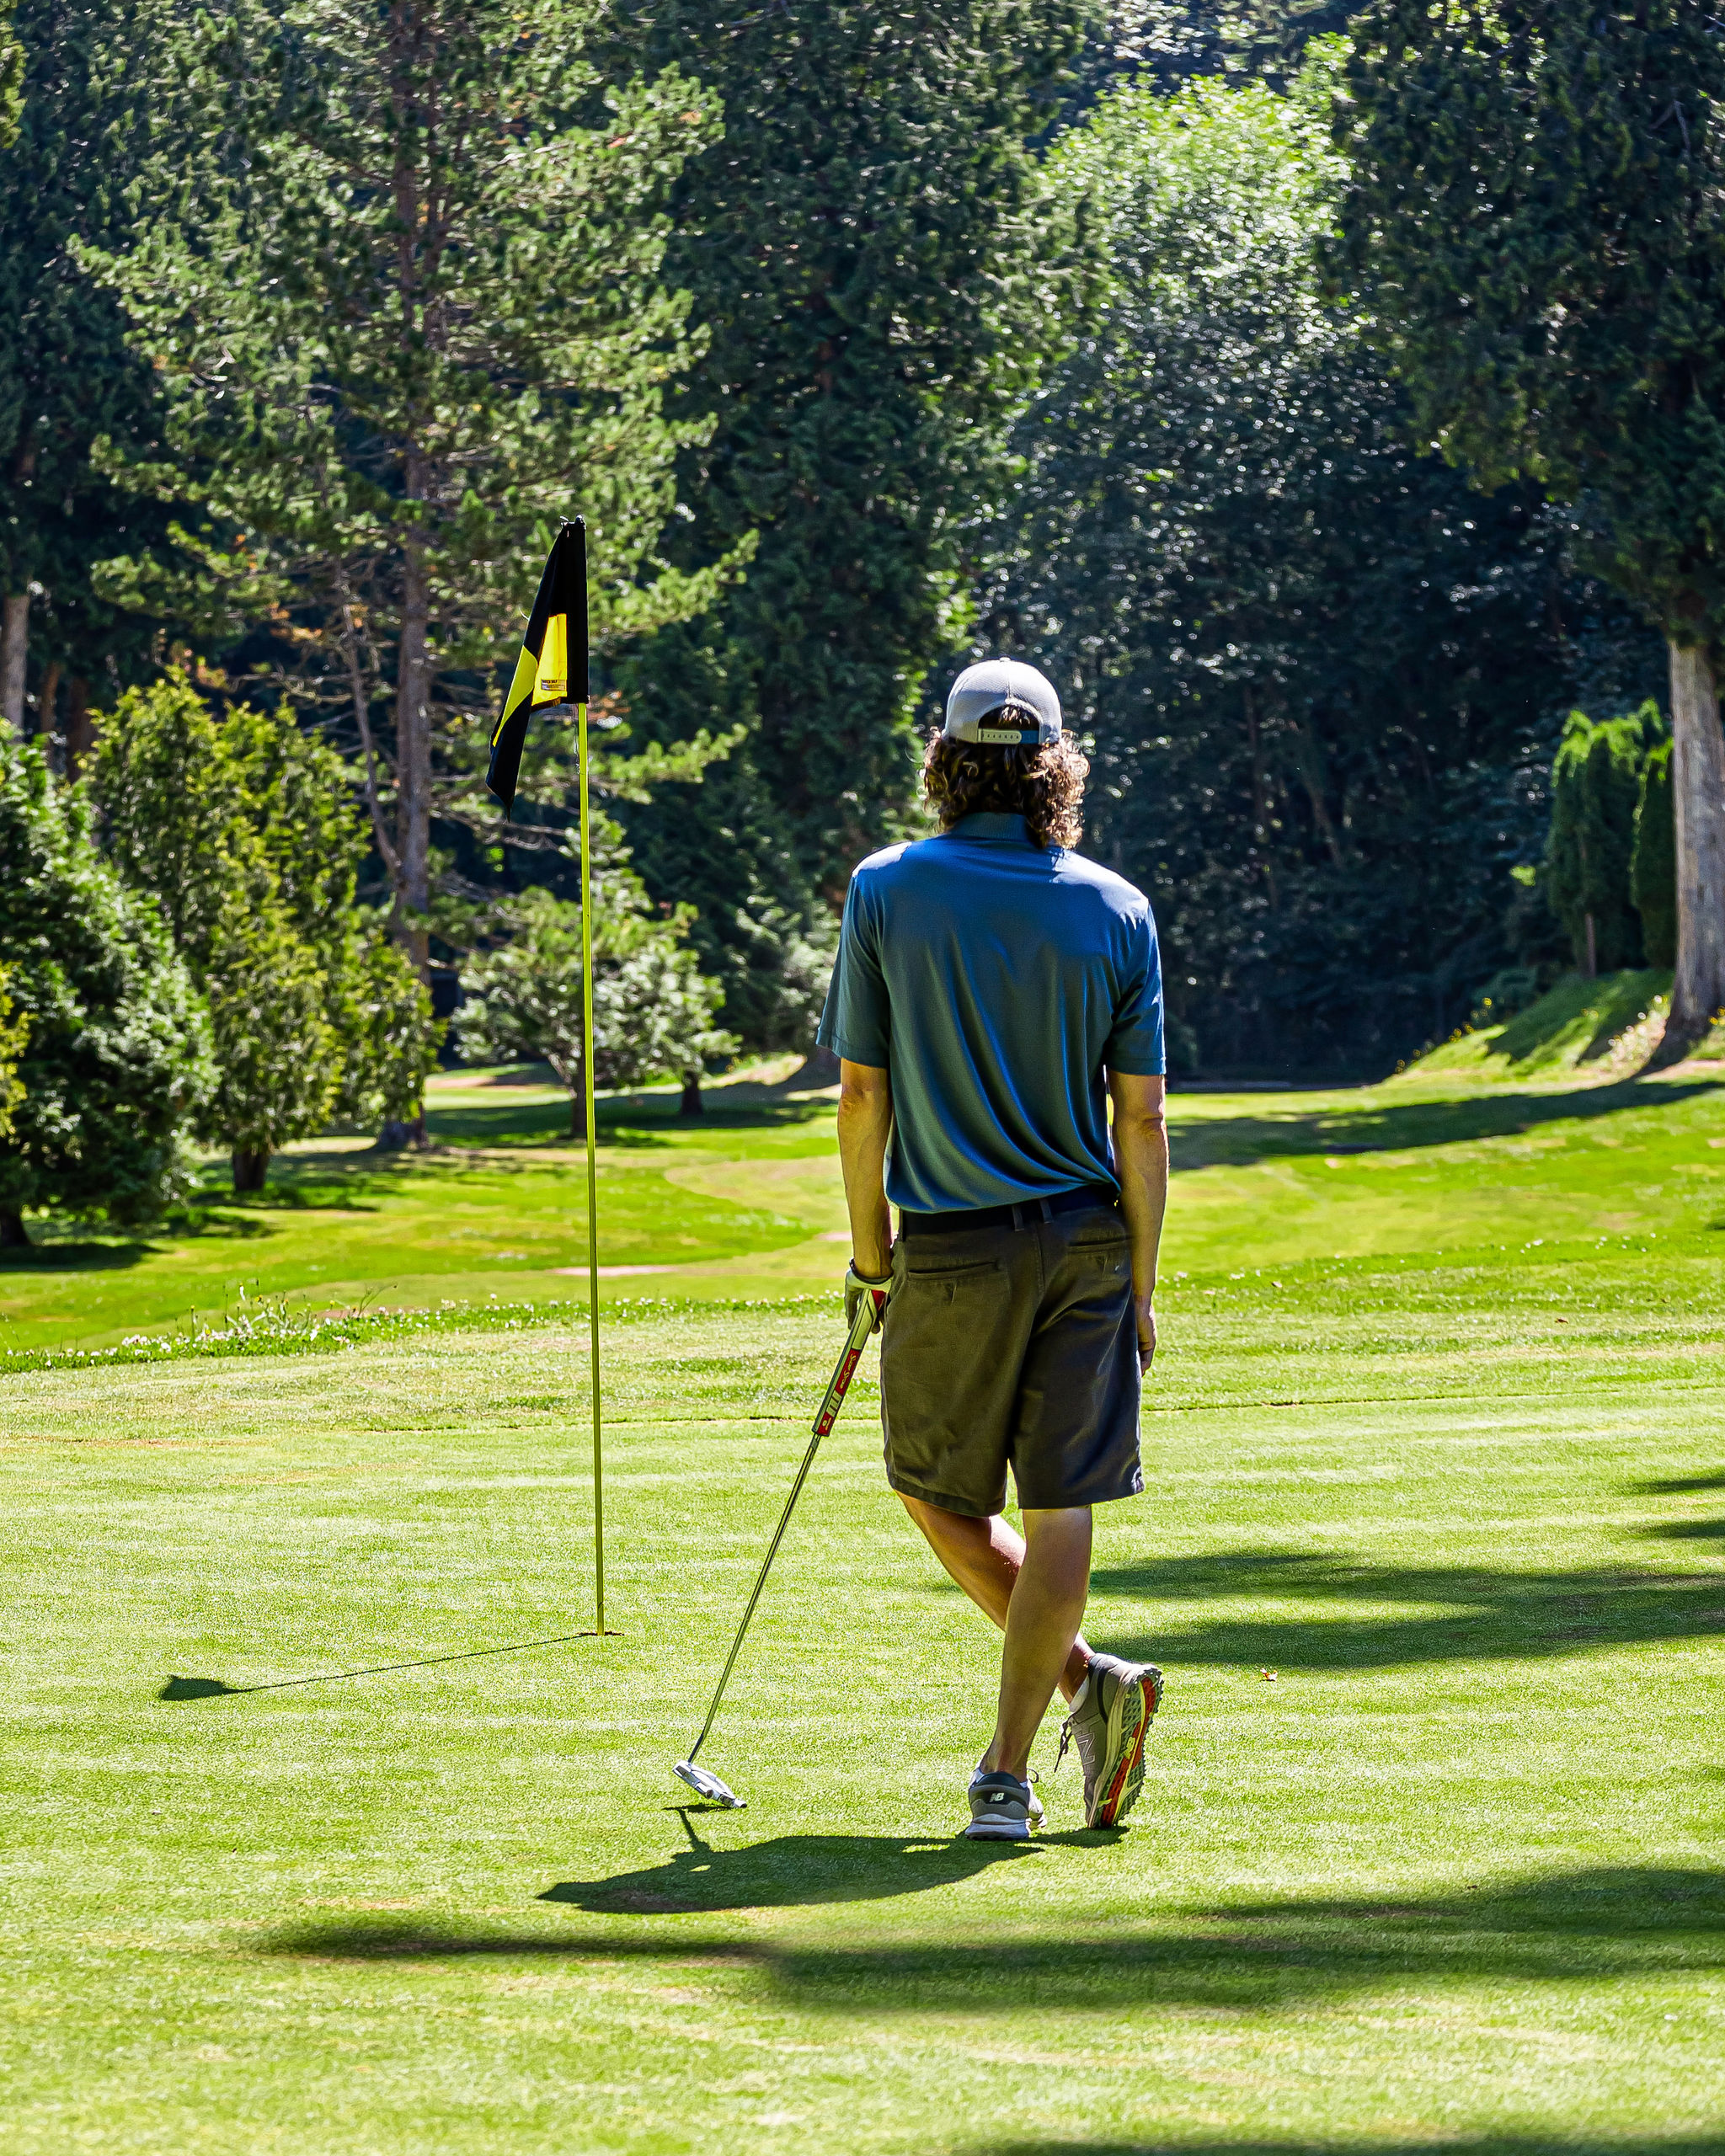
{"points": [[1429, 1854]]}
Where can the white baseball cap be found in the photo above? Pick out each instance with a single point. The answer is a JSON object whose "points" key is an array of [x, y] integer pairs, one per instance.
{"points": [[1004, 702]]}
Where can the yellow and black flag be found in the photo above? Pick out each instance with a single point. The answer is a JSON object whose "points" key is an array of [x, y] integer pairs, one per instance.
{"points": [[552, 667]]}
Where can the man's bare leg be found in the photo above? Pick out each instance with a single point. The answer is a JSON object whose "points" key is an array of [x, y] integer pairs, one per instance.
{"points": [[985, 1557], [1042, 1626]]}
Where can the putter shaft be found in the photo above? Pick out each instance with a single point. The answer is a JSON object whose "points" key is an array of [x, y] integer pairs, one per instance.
{"points": [[846, 1369]]}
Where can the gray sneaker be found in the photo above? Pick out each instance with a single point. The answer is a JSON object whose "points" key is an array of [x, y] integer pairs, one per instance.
{"points": [[1002, 1808], [1109, 1730]]}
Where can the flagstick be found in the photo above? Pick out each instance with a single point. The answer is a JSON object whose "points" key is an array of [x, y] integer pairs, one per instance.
{"points": [[592, 1177]]}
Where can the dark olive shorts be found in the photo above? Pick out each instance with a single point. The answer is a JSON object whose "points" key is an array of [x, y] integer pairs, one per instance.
{"points": [[1014, 1347]]}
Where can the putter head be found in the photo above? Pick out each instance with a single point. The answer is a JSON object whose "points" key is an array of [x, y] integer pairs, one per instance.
{"points": [[708, 1785]]}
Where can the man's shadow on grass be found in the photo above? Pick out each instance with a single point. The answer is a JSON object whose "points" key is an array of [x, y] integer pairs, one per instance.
{"points": [[789, 1872], [1473, 1613]]}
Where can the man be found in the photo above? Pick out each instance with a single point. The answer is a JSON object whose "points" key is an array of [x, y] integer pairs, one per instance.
{"points": [[994, 991]]}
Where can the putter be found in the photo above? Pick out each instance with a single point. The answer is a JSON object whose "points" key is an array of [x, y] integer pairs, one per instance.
{"points": [[701, 1779]]}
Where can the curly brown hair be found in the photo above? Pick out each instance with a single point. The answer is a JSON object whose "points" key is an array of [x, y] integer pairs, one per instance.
{"points": [[1044, 785]]}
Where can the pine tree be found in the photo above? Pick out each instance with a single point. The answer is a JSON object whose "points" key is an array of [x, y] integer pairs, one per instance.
{"points": [[872, 246], [1534, 209], [398, 274], [116, 1066], [66, 377]]}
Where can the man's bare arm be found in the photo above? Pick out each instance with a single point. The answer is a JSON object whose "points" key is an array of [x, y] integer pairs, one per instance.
{"points": [[865, 1124], [1141, 1162]]}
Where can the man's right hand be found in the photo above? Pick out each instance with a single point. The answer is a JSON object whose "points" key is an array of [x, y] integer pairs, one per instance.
{"points": [[859, 1284]]}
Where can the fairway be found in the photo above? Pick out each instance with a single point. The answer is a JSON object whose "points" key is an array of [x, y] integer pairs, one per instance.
{"points": [[1429, 1853]]}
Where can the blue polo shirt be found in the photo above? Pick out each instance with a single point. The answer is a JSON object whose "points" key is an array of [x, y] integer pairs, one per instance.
{"points": [[995, 981]]}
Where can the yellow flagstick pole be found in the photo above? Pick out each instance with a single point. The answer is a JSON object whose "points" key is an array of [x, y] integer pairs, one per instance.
{"points": [[592, 1176]]}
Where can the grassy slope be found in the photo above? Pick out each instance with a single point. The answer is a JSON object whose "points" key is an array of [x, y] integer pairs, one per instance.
{"points": [[1452, 1876], [749, 1203]]}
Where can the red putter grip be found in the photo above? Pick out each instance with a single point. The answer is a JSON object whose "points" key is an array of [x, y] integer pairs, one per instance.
{"points": [[836, 1391], [847, 1367]]}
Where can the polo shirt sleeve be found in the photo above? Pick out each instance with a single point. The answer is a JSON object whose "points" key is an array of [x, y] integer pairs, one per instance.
{"points": [[1134, 1047], [856, 1022]]}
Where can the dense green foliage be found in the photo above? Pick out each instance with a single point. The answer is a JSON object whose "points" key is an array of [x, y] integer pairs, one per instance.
{"points": [[245, 834], [405, 306], [15, 1032], [11, 77], [1533, 204], [1316, 669], [654, 1011], [66, 377], [1532, 213], [1595, 787], [881, 269], [1653, 868], [116, 1067]]}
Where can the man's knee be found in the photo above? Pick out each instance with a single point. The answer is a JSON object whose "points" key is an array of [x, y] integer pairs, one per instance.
{"points": [[940, 1525]]}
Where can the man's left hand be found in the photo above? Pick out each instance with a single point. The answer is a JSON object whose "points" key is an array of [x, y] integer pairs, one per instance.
{"points": [[1147, 1333]]}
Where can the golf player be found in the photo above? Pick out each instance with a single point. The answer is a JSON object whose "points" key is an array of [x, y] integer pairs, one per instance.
{"points": [[994, 992]]}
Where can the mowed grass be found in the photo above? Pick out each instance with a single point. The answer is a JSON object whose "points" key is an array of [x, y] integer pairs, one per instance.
{"points": [[1429, 1851], [747, 1203]]}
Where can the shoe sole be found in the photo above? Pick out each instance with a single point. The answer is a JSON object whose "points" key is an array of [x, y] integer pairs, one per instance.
{"points": [[1129, 1724], [997, 1830]]}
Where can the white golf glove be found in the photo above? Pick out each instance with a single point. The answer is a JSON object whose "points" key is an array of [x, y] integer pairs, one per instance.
{"points": [[857, 1285]]}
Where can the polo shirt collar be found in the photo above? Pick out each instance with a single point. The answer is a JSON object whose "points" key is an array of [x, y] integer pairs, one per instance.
{"points": [[992, 828]]}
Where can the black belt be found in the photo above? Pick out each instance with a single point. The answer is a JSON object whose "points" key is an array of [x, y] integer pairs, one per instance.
{"points": [[1087, 1197]]}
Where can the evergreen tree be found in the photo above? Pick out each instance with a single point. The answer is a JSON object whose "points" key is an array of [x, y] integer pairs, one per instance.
{"points": [[881, 269], [245, 835], [1534, 208], [116, 1066], [1653, 868], [402, 291], [1595, 785], [653, 1011], [67, 376]]}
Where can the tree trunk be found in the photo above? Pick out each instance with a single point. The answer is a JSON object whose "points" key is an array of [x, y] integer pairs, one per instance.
{"points": [[691, 1104], [46, 698], [578, 1116], [1698, 797], [80, 733], [249, 1171], [11, 1230], [413, 754], [15, 656], [1590, 954]]}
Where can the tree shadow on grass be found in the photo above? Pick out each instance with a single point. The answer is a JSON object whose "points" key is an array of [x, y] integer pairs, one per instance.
{"points": [[1628, 2143], [1559, 1928], [75, 1257], [1480, 1614], [1236, 1141]]}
